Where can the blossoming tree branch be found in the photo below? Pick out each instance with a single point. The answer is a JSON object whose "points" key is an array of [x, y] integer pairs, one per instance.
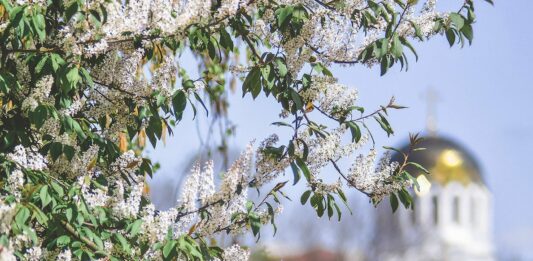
{"points": [[78, 104]]}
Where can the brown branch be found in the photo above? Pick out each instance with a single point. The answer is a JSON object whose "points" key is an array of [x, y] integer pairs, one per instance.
{"points": [[75, 233]]}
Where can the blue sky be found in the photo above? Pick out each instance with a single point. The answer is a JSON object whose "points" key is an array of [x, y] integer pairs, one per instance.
{"points": [[485, 94]]}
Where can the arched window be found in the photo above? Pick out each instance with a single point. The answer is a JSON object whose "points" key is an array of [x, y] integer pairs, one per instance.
{"points": [[413, 212], [455, 210], [473, 211], [435, 205]]}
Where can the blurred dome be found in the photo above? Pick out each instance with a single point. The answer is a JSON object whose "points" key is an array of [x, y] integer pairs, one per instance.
{"points": [[446, 161]]}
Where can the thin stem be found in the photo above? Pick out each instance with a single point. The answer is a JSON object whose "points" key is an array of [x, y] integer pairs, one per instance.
{"points": [[85, 240], [346, 178]]}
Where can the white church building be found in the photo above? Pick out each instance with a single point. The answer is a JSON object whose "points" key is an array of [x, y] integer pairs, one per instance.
{"points": [[452, 219]]}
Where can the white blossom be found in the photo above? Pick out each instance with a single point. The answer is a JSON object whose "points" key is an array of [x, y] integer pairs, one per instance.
{"points": [[65, 255], [379, 181]]}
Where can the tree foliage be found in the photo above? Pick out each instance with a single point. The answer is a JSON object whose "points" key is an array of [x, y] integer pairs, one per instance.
{"points": [[84, 84]]}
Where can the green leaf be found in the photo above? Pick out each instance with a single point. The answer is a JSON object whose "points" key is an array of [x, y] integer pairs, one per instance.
{"points": [[73, 126], [305, 196], [281, 123], [8, 82], [282, 68], [384, 124], [56, 149], [125, 245], [197, 97], [72, 9], [457, 20], [169, 246], [58, 189], [296, 173], [62, 241], [355, 130], [179, 102], [410, 46], [39, 115], [330, 206], [68, 214], [255, 223], [397, 47], [42, 62], [283, 15], [405, 198], [418, 32], [303, 167], [296, 99], [71, 80], [252, 83], [384, 65], [468, 32], [87, 76], [22, 216], [39, 25], [57, 61], [225, 39], [393, 202], [44, 196], [68, 151], [135, 227], [450, 36], [418, 166], [212, 49]]}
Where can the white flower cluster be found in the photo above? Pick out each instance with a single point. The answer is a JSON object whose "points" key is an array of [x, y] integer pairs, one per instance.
{"points": [[34, 254], [40, 94], [6, 254], [7, 212], [66, 255], [138, 29], [127, 207], [235, 253], [332, 97], [198, 194], [27, 158], [268, 166], [379, 181], [335, 35]]}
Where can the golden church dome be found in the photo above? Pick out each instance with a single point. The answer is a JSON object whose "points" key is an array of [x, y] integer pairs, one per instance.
{"points": [[446, 161]]}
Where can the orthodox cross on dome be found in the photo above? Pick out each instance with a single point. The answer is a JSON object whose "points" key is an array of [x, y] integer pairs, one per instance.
{"points": [[431, 97]]}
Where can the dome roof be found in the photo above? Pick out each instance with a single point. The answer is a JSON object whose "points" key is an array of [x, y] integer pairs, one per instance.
{"points": [[446, 161]]}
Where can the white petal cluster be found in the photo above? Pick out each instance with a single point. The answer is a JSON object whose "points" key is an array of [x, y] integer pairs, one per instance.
{"points": [[379, 181], [117, 103], [40, 94], [6, 254], [322, 150], [7, 212], [127, 207], [236, 253], [34, 254], [268, 167], [66, 255], [26, 158], [332, 97]]}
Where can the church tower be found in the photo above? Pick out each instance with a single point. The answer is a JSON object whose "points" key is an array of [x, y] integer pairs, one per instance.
{"points": [[452, 219]]}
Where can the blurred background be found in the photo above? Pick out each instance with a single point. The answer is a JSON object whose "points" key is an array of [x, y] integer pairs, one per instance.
{"points": [[475, 100]]}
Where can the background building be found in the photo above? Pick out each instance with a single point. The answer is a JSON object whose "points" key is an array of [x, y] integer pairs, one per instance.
{"points": [[452, 219]]}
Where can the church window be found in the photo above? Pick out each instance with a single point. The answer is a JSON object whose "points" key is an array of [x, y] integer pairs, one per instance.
{"points": [[473, 210], [435, 201], [455, 210], [413, 213]]}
